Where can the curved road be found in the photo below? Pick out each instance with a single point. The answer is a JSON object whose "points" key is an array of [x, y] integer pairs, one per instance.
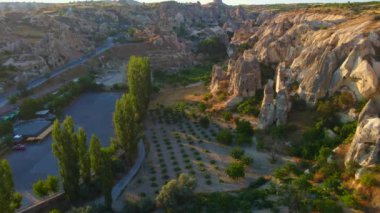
{"points": [[40, 80]]}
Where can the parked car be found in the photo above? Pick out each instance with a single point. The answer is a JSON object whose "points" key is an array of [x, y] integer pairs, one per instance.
{"points": [[19, 147]]}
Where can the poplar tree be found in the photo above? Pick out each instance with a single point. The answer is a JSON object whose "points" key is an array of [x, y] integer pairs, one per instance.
{"points": [[95, 154], [9, 199], [106, 177], [126, 124], [84, 156], [139, 82], [65, 150]]}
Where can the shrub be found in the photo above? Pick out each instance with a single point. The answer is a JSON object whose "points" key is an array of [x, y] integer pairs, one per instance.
{"points": [[227, 115], [224, 136], [212, 46], [52, 183], [235, 170], [204, 122], [368, 179], [244, 127], [202, 107], [281, 131], [246, 160], [207, 96], [176, 192], [243, 139], [237, 153], [40, 188], [349, 200]]}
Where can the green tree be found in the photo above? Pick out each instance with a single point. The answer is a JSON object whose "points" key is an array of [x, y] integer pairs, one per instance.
{"points": [[235, 170], [126, 125], [106, 177], [176, 191], [95, 154], [65, 150], [40, 189], [224, 136], [9, 199], [237, 153], [139, 83], [84, 156]]}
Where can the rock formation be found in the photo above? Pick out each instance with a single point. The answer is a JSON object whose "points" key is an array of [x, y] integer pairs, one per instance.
{"points": [[275, 110], [219, 80], [324, 52], [268, 111], [245, 76], [365, 146]]}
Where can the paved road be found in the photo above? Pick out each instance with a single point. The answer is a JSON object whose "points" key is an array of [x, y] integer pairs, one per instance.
{"points": [[92, 111], [40, 80]]}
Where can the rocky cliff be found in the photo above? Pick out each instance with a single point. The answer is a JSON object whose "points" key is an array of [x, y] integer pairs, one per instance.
{"points": [[365, 146]]}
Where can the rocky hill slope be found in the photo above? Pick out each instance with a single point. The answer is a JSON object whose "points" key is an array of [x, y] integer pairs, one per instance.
{"points": [[37, 38], [312, 54]]}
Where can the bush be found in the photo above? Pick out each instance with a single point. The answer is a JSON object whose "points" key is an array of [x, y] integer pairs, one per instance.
{"points": [[244, 127], [349, 200], [281, 131], [243, 139], [44, 187], [368, 179], [224, 136], [176, 191], [246, 160], [251, 106], [204, 122], [207, 96], [227, 115], [259, 182], [40, 188], [235, 170], [213, 46], [52, 183], [202, 107], [237, 153]]}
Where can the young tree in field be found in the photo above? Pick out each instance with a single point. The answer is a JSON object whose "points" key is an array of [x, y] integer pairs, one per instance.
{"points": [[139, 83], [126, 125], [65, 150], [176, 192], [84, 156], [9, 199], [95, 154]]}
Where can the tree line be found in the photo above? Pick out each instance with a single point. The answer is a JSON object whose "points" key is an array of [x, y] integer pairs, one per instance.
{"points": [[79, 163]]}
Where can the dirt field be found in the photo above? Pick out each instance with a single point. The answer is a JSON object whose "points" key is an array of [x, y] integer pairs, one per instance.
{"points": [[170, 96]]}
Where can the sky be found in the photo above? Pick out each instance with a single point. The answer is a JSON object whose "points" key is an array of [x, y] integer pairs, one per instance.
{"points": [[229, 2]]}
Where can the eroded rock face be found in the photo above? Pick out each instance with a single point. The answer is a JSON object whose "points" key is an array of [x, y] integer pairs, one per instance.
{"points": [[219, 80], [324, 52], [245, 76], [268, 111], [275, 110], [365, 146]]}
